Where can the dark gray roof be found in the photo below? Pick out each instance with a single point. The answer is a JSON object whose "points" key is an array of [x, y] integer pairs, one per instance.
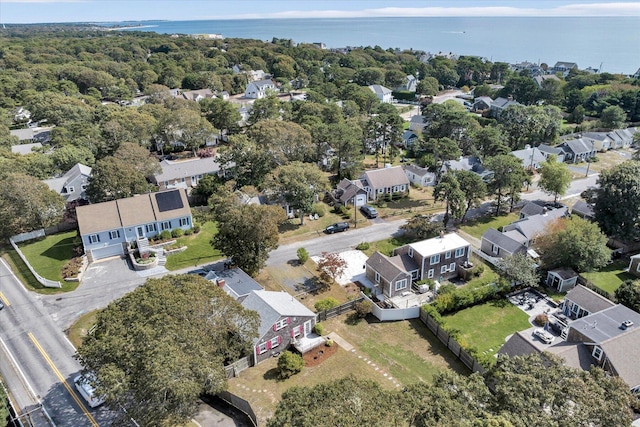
{"points": [[499, 239], [348, 189], [577, 146], [404, 262], [623, 351], [238, 283], [531, 209], [564, 273], [550, 150], [588, 299], [582, 209], [575, 355], [518, 345], [533, 225], [386, 268], [605, 324]]}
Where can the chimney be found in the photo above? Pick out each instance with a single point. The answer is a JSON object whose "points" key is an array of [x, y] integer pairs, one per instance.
{"points": [[221, 283]]}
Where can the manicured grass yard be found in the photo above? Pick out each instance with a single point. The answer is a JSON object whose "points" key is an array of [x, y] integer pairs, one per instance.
{"points": [[199, 249], [610, 277], [47, 256], [486, 326], [404, 350], [478, 227], [386, 246]]}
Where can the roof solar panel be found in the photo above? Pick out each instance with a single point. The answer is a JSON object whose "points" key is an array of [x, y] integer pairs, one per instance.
{"points": [[169, 200]]}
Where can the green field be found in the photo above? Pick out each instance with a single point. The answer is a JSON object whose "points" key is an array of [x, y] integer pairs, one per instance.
{"points": [[47, 256], [486, 326], [199, 249], [610, 277]]}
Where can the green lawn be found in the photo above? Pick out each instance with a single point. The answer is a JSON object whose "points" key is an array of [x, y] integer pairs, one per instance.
{"points": [[478, 227], [199, 249], [486, 326], [386, 246], [610, 277], [47, 256]]}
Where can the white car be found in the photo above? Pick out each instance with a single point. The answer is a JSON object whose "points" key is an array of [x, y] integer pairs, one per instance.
{"points": [[86, 390], [544, 336]]}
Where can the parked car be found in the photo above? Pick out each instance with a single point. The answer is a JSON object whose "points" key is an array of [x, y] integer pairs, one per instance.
{"points": [[200, 272], [1, 305], [87, 391], [338, 226], [544, 336], [369, 211]]}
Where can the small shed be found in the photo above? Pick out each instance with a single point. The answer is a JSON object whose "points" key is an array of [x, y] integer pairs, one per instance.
{"points": [[634, 265], [562, 279]]}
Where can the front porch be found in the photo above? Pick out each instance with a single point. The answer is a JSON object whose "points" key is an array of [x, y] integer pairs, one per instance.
{"points": [[307, 343]]}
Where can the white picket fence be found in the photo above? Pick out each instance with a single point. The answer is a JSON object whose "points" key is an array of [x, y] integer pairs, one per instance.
{"points": [[29, 236]]}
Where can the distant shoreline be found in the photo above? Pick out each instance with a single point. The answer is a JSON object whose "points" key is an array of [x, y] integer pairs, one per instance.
{"points": [[133, 27]]}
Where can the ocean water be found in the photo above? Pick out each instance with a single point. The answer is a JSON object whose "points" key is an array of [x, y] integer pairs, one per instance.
{"points": [[613, 42]]}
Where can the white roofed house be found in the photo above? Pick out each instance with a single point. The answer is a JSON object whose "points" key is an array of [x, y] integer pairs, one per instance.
{"points": [[531, 157], [380, 182], [418, 176], [259, 89], [384, 94], [185, 173]]}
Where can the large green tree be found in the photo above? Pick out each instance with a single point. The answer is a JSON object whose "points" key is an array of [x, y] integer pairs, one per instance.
{"points": [[628, 294], [575, 243], [473, 188], [617, 208], [27, 204], [448, 190], [247, 233], [284, 141], [555, 177], [519, 269], [508, 178], [157, 349], [298, 184]]}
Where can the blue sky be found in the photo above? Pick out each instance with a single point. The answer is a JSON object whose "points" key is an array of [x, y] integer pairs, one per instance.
{"points": [[37, 11]]}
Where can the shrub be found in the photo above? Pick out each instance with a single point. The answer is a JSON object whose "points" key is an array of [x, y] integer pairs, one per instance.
{"points": [[289, 364], [326, 304], [319, 209], [196, 227], [303, 255], [429, 282], [165, 235], [72, 268], [177, 233], [363, 246], [188, 232], [541, 319], [329, 343], [477, 270], [319, 329], [363, 308]]}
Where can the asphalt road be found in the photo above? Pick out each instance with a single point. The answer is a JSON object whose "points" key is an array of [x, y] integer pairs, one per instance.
{"points": [[44, 355]]}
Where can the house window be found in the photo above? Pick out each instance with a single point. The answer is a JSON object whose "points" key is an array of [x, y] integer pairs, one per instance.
{"points": [[452, 266], [296, 331], [262, 348], [638, 267], [435, 259], [281, 323], [275, 342], [84, 186], [184, 221], [430, 274], [166, 225], [150, 228], [115, 234], [377, 277], [401, 284], [94, 238], [443, 269], [597, 353], [495, 249], [447, 255], [414, 274], [411, 253], [574, 308], [459, 252]]}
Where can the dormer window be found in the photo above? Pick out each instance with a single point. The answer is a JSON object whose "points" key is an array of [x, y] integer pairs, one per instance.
{"points": [[597, 353]]}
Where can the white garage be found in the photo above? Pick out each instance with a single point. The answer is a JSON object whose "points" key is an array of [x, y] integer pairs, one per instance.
{"points": [[107, 251]]}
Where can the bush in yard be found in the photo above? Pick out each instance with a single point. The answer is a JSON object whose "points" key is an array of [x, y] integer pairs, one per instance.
{"points": [[363, 246], [541, 319], [363, 308], [289, 364], [188, 232], [329, 343], [303, 255], [319, 329], [165, 235], [196, 227], [319, 210], [326, 304], [177, 233]]}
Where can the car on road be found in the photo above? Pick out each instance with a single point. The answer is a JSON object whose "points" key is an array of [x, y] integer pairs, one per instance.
{"points": [[337, 227], [369, 211], [200, 272], [544, 336], [1, 305], [84, 384]]}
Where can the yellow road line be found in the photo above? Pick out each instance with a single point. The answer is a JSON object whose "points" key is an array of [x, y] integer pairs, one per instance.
{"points": [[62, 380], [4, 299]]}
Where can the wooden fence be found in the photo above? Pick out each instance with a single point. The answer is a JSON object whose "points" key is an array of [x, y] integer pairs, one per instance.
{"points": [[234, 369], [444, 337], [240, 404], [337, 311]]}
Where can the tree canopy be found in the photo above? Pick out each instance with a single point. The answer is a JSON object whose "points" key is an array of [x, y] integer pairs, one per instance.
{"points": [[628, 294], [617, 208], [555, 177], [158, 348]]}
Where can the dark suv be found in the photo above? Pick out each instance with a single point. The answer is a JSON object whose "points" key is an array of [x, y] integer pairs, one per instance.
{"points": [[338, 226], [369, 211]]}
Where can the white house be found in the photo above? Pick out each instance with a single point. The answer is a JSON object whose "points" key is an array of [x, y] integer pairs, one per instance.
{"points": [[259, 89], [420, 176], [383, 93]]}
